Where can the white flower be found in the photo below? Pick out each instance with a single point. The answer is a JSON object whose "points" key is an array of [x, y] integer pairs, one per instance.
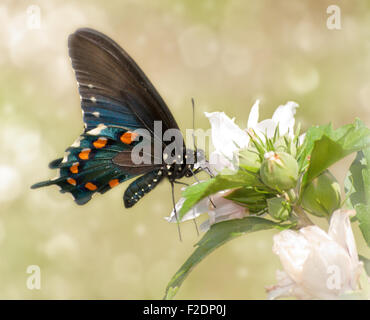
{"points": [[225, 210], [317, 265], [228, 138], [283, 118]]}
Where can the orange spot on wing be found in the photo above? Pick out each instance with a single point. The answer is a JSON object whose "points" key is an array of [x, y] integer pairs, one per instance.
{"points": [[74, 167], [91, 186], [84, 154], [128, 137], [100, 143], [113, 183], [71, 181]]}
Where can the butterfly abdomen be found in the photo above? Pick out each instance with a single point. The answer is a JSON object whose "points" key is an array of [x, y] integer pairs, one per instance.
{"points": [[141, 186]]}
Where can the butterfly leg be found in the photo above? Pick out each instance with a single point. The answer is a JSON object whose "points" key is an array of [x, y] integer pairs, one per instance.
{"points": [[205, 169], [196, 225], [174, 209], [197, 180], [182, 183], [195, 221]]}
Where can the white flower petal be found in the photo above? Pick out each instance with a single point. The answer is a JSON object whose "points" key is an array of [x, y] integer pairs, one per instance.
{"points": [[191, 214], [327, 272], [265, 128], [223, 215], [301, 138], [227, 137], [284, 116], [286, 287], [196, 211], [225, 210], [293, 250], [340, 231], [218, 162], [314, 235], [204, 226], [321, 265], [254, 115]]}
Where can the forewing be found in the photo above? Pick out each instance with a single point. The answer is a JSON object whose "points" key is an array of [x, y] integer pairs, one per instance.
{"points": [[112, 87]]}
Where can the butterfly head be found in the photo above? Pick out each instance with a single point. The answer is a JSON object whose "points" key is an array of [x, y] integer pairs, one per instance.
{"points": [[193, 159]]}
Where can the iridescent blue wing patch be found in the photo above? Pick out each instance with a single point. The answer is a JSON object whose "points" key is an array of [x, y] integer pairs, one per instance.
{"points": [[87, 166]]}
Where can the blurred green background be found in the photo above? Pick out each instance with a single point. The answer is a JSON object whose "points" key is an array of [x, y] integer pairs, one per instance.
{"points": [[225, 54]]}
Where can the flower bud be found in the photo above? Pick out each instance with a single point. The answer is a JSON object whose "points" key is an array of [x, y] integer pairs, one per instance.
{"points": [[321, 197], [279, 171], [283, 145], [279, 208], [249, 160]]}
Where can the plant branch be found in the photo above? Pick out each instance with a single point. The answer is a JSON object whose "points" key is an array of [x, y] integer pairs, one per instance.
{"points": [[303, 219]]}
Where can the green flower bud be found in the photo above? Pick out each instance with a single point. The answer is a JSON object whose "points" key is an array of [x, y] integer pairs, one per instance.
{"points": [[281, 145], [279, 208], [279, 171], [249, 160], [321, 197]]}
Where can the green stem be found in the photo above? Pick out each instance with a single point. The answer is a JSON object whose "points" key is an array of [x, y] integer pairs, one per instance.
{"points": [[303, 219], [291, 196]]}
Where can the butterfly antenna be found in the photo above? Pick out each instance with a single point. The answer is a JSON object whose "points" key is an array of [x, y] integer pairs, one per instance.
{"points": [[193, 106], [174, 208], [195, 146]]}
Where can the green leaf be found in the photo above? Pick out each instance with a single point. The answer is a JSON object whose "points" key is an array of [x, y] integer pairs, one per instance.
{"points": [[325, 153], [366, 174], [325, 146], [366, 263], [354, 184], [313, 134], [357, 187], [219, 234], [253, 198], [363, 216], [222, 181]]}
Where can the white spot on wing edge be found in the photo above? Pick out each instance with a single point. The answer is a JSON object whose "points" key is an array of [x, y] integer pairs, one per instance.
{"points": [[76, 144], [65, 158], [96, 131]]}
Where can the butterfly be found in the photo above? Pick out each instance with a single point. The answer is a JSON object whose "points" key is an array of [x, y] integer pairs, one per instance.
{"points": [[116, 99]]}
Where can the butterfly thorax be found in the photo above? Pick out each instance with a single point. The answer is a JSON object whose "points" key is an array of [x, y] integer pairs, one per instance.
{"points": [[182, 166]]}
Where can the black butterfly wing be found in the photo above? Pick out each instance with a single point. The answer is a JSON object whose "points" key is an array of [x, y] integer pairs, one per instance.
{"points": [[116, 98], [110, 80]]}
